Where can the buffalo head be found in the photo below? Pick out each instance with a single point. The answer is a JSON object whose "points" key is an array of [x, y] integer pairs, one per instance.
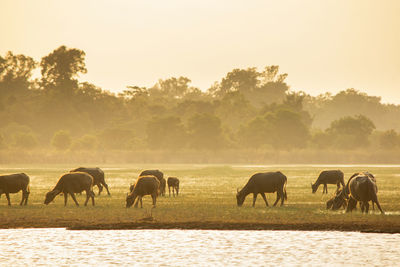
{"points": [[50, 197], [314, 187], [240, 198], [130, 199]]}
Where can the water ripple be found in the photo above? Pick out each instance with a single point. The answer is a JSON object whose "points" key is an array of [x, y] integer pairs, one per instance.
{"points": [[196, 247]]}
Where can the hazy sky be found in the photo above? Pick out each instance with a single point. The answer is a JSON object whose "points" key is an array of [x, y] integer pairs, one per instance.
{"points": [[323, 45]]}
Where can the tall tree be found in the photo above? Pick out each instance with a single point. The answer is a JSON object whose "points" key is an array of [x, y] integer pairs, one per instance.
{"points": [[60, 70], [15, 74], [258, 87]]}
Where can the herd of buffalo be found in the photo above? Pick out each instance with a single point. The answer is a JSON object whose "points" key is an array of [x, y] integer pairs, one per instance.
{"points": [[360, 188]]}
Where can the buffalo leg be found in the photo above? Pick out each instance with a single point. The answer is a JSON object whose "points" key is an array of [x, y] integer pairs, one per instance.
{"points": [[325, 189], [88, 195], [362, 206], [278, 196], [65, 199], [177, 190], [282, 198], [26, 197], [366, 207], [106, 186], [8, 199], [254, 199], [169, 191], [100, 188], [379, 206], [351, 205], [154, 197], [265, 199], [74, 198], [92, 195], [23, 198], [141, 202]]}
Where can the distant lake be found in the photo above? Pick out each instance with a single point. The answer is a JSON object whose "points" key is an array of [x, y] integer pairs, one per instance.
{"points": [[58, 246]]}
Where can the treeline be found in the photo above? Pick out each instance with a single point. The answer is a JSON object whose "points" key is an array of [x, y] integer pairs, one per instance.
{"points": [[248, 109]]}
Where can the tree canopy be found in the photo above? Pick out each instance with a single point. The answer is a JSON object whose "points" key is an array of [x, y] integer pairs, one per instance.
{"points": [[247, 109]]}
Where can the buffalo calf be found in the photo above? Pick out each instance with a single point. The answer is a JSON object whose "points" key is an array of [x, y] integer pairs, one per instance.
{"points": [[174, 183]]}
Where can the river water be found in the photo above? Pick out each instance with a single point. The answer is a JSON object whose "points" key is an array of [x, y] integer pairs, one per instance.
{"points": [[60, 247]]}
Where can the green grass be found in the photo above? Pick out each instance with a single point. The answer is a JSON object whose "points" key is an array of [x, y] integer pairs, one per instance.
{"points": [[207, 196]]}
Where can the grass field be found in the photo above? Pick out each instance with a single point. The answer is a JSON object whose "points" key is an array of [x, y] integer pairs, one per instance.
{"points": [[206, 201]]}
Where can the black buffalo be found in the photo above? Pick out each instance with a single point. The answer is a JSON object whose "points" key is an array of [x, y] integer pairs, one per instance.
{"points": [[362, 188], [145, 185], [71, 183], [160, 176], [261, 183], [13, 183], [98, 177], [337, 201], [174, 183], [328, 177]]}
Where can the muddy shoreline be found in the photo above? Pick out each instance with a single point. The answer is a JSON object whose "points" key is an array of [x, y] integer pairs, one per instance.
{"points": [[239, 226], [346, 227]]}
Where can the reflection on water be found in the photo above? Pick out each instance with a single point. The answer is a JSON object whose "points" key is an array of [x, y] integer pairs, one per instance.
{"points": [[196, 247]]}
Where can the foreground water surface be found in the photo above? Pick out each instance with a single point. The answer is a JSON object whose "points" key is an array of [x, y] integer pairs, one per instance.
{"points": [[196, 247]]}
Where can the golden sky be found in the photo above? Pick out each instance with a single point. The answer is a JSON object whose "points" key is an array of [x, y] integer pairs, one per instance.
{"points": [[323, 45]]}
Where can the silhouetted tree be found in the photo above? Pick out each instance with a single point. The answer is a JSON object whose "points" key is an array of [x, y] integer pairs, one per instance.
{"points": [[15, 74], [60, 70]]}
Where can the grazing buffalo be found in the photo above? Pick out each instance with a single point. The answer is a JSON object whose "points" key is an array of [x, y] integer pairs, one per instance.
{"points": [[261, 183], [328, 177], [360, 188], [337, 201], [13, 183], [174, 183], [370, 175], [98, 177], [145, 185], [71, 183], [160, 176]]}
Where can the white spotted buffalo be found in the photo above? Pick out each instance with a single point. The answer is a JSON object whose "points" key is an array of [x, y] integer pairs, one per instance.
{"points": [[174, 183], [98, 177], [145, 185], [160, 177], [71, 183], [261, 183], [13, 183], [328, 177]]}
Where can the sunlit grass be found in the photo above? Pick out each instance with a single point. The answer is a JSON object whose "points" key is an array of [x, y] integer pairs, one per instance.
{"points": [[207, 194]]}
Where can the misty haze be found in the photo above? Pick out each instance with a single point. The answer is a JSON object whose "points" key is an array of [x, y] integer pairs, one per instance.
{"points": [[175, 124]]}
